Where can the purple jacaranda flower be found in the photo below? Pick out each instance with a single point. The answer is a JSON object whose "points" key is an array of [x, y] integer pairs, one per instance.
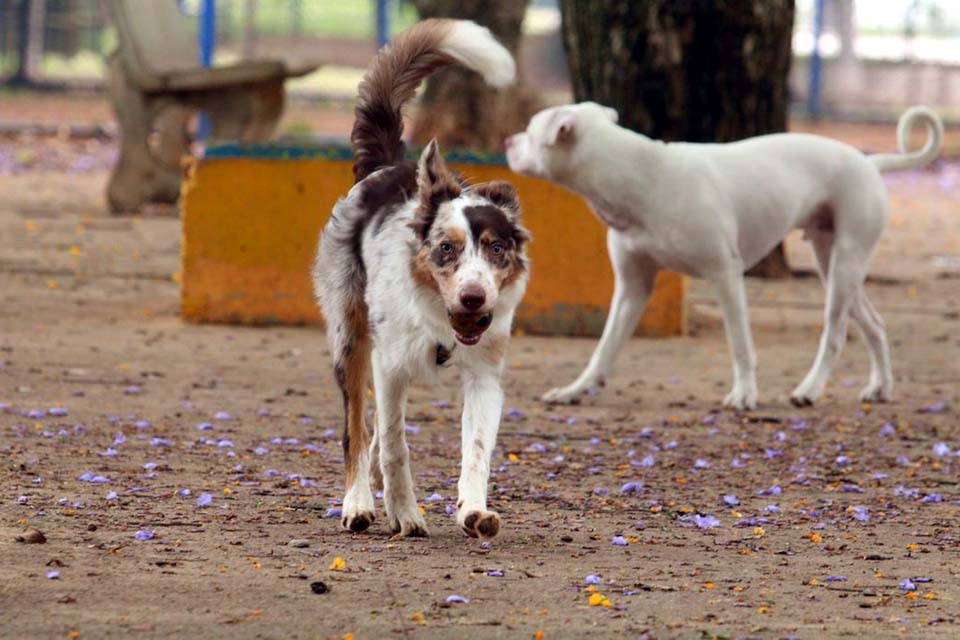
{"points": [[144, 535], [204, 500], [905, 492], [647, 461], [922, 580], [183, 493], [731, 500], [932, 498], [592, 579], [594, 470], [711, 419], [434, 497], [411, 429], [631, 487], [780, 436], [571, 420], [110, 452], [937, 407], [119, 439], [205, 426], [941, 449], [57, 412], [441, 404], [455, 599], [835, 579], [907, 585], [63, 433], [89, 476], [132, 390], [495, 573], [861, 514], [53, 575], [799, 426], [328, 434], [224, 444], [22, 500], [143, 424], [670, 445], [222, 415], [272, 473], [333, 512], [775, 490], [450, 509], [851, 488], [842, 461], [276, 440], [737, 463], [705, 522], [888, 430], [903, 460], [149, 476], [36, 414], [261, 451], [619, 541], [111, 495], [160, 442], [772, 508], [62, 502], [514, 414], [879, 475], [700, 463], [150, 466], [537, 447], [600, 491], [772, 453], [263, 412]]}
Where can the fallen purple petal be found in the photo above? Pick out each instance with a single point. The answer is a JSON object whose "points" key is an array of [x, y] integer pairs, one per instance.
{"points": [[144, 535], [204, 500], [455, 599]]}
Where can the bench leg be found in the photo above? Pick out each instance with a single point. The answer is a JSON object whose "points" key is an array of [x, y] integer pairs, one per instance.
{"points": [[137, 176], [248, 114]]}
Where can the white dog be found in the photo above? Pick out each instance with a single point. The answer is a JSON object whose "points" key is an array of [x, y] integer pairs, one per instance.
{"points": [[412, 263], [714, 210]]}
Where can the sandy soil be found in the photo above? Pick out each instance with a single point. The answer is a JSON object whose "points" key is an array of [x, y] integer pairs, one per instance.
{"points": [[840, 520]]}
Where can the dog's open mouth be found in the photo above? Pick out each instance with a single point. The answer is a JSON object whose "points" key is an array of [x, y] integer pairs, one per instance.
{"points": [[469, 327]]}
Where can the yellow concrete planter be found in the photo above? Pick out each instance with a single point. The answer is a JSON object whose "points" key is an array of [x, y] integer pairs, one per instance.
{"points": [[252, 215]]}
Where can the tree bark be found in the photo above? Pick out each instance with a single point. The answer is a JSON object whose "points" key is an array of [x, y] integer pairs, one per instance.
{"points": [[457, 107], [690, 70]]}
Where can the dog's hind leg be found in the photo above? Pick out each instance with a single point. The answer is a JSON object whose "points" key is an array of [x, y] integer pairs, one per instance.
{"points": [[352, 349], [399, 499], [732, 295], [845, 274], [633, 283]]}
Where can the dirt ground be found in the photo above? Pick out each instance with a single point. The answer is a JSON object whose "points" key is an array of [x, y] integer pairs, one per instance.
{"points": [[839, 520]]}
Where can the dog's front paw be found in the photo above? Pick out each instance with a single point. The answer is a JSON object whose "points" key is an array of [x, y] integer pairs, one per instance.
{"points": [[356, 519], [409, 523], [741, 398], [479, 523], [564, 395], [804, 396]]}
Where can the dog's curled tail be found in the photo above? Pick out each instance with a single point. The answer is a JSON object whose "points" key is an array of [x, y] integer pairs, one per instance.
{"points": [[398, 70], [913, 159]]}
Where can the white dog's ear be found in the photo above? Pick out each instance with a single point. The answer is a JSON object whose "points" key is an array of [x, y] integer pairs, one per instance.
{"points": [[560, 128]]}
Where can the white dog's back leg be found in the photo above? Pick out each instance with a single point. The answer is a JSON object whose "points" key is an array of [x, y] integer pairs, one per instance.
{"points": [[880, 386], [736, 320], [633, 283]]}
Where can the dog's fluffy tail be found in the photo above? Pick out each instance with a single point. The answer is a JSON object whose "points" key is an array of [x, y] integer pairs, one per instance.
{"points": [[398, 70], [913, 159]]}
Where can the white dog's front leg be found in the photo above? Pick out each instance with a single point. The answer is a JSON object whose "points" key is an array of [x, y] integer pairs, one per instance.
{"points": [[482, 406], [399, 500], [633, 284], [736, 319]]}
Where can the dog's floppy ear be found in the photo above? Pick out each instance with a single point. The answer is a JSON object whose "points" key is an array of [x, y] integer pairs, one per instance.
{"points": [[500, 193], [435, 185], [560, 127], [612, 114]]}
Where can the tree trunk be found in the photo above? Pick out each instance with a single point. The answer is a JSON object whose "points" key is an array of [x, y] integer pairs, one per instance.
{"points": [[690, 70], [250, 29], [457, 107]]}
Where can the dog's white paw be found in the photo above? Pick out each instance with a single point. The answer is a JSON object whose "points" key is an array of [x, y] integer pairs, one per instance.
{"points": [[570, 394], [358, 512], [408, 522], [478, 523], [805, 395], [875, 392], [741, 398]]}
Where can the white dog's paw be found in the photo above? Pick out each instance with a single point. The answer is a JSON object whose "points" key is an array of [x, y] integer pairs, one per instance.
{"points": [[570, 394], [408, 523], [876, 393], [358, 514], [805, 395], [478, 523], [741, 398]]}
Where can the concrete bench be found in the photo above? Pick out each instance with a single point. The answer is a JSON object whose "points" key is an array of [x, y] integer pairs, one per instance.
{"points": [[156, 81], [252, 215]]}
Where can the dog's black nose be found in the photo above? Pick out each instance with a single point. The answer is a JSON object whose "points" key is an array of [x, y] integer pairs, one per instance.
{"points": [[472, 298]]}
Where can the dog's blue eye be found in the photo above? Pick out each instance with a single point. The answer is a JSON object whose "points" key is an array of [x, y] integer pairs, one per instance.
{"points": [[446, 247]]}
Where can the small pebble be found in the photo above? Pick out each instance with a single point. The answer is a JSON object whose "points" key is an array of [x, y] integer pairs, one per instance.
{"points": [[299, 543], [319, 587], [32, 536]]}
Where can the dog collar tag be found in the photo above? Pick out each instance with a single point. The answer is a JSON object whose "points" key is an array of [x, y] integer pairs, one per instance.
{"points": [[444, 354]]}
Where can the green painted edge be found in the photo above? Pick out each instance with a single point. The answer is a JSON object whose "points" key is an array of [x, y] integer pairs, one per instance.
{"points": [[328, 151]]}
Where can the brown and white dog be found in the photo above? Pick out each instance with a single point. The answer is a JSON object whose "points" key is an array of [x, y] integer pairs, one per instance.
{"points": [[417, 272]]}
